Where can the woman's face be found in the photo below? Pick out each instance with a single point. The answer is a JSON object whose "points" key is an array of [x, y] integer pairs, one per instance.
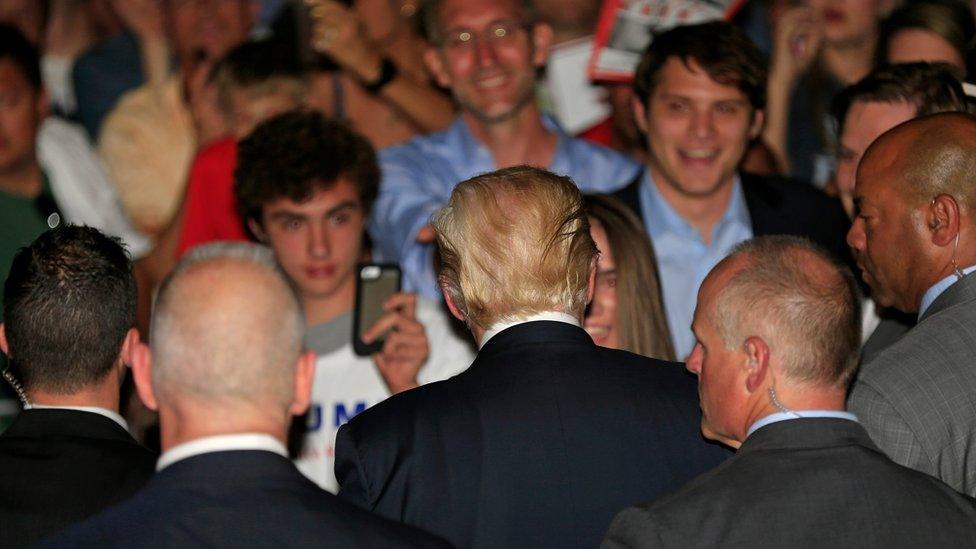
{"points": [[910, 45], [601, 316]]}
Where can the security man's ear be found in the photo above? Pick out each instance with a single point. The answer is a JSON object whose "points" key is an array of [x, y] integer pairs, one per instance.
{"points": [[942, 216], [757, 362]]}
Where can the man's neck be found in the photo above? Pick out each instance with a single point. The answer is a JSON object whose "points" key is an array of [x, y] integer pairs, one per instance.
{"points": [[186, 422], [701, 212], [319, 310], [25, 181], [852, 61], [104, 395], [521, 139]]}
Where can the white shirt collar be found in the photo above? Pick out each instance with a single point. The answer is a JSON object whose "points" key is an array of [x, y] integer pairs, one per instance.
{"points": [[221, 443], [114, 416], [554, 316], [798, 414]]}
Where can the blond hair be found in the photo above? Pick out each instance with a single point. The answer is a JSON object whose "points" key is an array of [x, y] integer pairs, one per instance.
{"points": [[513, 243]]}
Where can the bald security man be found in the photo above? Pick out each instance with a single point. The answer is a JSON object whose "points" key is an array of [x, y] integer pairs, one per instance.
{"points": [[226, 373], [914, 236], [772, 384]]}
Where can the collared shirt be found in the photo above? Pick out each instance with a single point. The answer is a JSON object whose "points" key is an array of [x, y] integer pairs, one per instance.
{"points": [[114, 416], [418, 177], [936, 290], [555, 316], [803, 414], [221, 443], [683, 258]]}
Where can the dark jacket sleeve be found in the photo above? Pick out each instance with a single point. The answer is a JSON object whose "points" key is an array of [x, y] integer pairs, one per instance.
{"points": [[349, 471]]}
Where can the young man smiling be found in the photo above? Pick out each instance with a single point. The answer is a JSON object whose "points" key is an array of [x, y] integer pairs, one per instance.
{"points": [[305, 186], [700, 98]]}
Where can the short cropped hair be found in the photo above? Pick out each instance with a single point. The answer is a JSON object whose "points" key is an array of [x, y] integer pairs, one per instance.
{"points": [[69, 300], [809, 317], [721, 49], [929, 87], [261, 68], [430, 13], [515, 242], [240, 354], [298, 153], [15, 47]]}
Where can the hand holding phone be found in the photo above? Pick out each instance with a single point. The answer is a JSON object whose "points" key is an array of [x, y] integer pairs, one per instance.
{"points": [[406, 348]]}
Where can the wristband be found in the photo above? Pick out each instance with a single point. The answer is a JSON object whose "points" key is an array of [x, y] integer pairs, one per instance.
{"points": [[388, 72]]}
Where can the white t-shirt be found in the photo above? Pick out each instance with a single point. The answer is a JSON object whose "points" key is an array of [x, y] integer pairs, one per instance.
{"points": [[346, 384]]}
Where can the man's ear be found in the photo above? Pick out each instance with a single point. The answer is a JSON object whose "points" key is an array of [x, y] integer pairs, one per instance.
{"points": [[128, 350], [758, 119], [757, 363], [640, 114], [304, 377], [4, 346], [142, 375], [451, 305], [541, 35], [435, 64], [257, 230], [942, 219]]}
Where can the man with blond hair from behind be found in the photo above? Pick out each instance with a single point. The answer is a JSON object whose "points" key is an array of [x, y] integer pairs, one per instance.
{"points": [[546, 435], [226, 373]]}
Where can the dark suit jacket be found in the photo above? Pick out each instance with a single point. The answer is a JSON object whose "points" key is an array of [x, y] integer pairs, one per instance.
{"points": [[803, 483], [537, 444], [245, 498], [60, 466], [779, 205]]}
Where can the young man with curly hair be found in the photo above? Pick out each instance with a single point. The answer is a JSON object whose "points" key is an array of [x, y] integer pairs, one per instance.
{"points": [[305, 187]]}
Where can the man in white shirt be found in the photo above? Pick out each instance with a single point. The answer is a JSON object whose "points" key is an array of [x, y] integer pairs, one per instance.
{"points": [[777, 338], [227, 372], [306, 186], [68, 331]]}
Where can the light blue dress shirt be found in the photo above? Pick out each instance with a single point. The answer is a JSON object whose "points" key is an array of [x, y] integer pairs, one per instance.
{"points": [[936, 290], [419, 175], [799, 414], [683, 258]]}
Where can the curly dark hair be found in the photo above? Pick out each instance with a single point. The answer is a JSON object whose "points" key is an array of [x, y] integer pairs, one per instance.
{"points": [[721, 49], [297, 153], [68, 303]]}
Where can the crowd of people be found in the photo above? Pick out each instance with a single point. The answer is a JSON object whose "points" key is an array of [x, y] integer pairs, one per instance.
{"points": [[735, 311]]}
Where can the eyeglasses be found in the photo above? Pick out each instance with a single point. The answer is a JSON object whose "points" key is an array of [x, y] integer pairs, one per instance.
{"points": [[498, 34]]}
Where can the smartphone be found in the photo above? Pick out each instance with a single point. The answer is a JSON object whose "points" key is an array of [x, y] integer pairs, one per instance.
{"points": [[375, 283]]}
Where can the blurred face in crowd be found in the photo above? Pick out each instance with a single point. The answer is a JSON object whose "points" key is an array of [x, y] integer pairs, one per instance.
{"points": [[697, 129], [601, 316], [888, 235], [721, 376], [911, 45], [849, 21], [26, 15], [865, 122], [249, 108], [318, 241], [21, 110], [488, 56], [213, 27]]}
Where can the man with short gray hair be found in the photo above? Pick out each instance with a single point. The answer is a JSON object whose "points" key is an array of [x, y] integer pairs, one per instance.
{"points": [[777, 340], [226, 373], [546, 435]]}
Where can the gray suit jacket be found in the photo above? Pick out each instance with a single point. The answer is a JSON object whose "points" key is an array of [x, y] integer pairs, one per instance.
{"points": [[816, 482], [917, 399]]}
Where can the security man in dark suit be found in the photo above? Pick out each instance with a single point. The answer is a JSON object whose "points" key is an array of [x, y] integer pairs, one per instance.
{"points": [[226, 374], [69, 311], [700, 99], [546, 434], [778, 331]]}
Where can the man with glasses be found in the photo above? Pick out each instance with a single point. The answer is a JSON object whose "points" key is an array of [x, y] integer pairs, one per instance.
{"points": [[487, 53]]}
